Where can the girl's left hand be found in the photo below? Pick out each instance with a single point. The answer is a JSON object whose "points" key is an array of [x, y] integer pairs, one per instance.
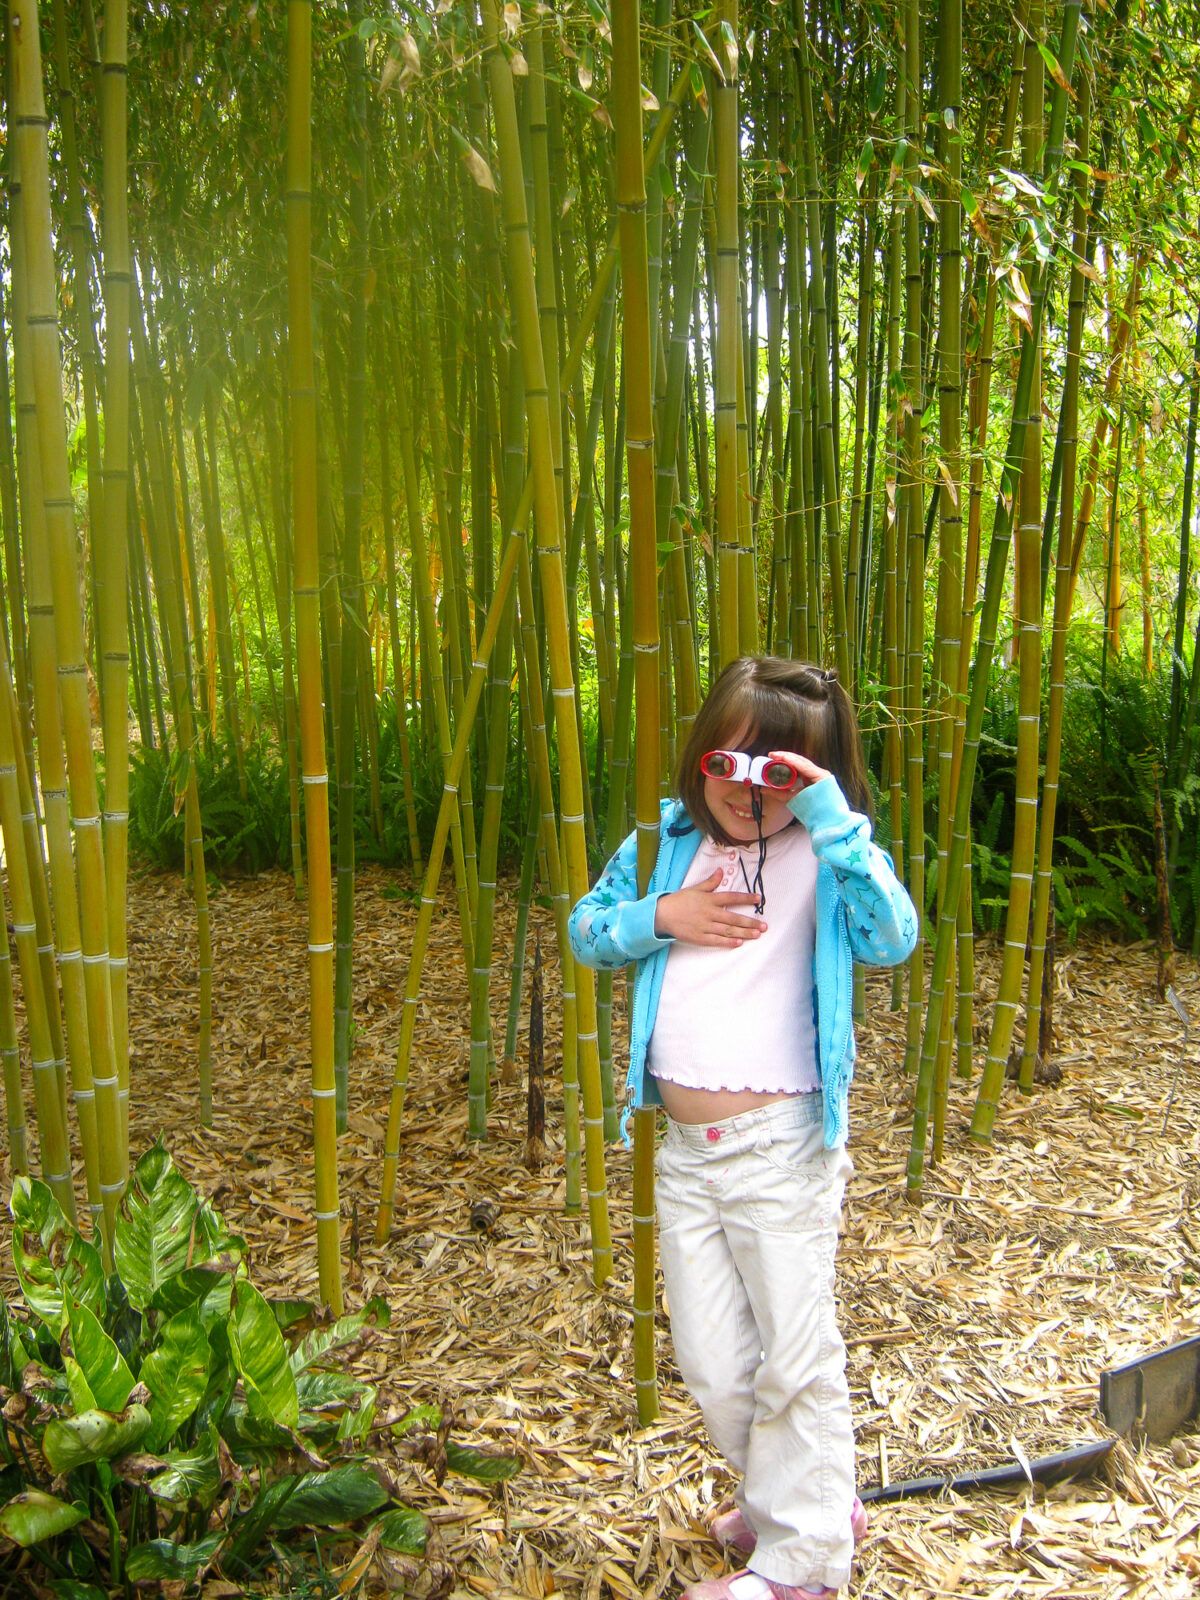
{"points": [[809, 771]]}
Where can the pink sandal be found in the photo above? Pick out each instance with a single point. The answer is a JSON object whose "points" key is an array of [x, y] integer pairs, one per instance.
{"points": [[731, 1530]]}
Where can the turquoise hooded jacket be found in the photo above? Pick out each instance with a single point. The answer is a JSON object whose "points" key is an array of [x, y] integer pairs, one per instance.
{"points": [[863, 913]]}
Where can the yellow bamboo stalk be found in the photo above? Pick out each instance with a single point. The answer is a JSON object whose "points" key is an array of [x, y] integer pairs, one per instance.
{"points": [[307, 582], [52, 1131], [46, 370], [548, 514]]}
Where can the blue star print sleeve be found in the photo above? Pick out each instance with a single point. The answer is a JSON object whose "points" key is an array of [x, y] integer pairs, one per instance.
{"points": [[880, 918], [611, 926]]}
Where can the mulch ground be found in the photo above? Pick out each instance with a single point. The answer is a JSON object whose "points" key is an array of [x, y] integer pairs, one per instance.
{"points": [[977, 1323]]}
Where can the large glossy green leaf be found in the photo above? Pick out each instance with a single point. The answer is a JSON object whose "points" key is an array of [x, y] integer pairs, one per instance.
{"points": [[254, 1440], [176, 1374], [403, 1529], [33, 1516], [357, 1424], [50, 1256], [164, 1231], [289, 1312], [196, 1286], [103, 1365], [82, 1398], [260, 1356], [478, 1464], [162, 1558], [191, 1478], [426, 1418], [72, 1589], [320, 1341], [329, 1499], [13, 1356], [327, 1391], [71, 1442]]}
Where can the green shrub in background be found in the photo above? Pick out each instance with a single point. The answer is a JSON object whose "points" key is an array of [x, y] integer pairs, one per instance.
{"points": [[168, 1419], [1115, 754], [247, 832]]}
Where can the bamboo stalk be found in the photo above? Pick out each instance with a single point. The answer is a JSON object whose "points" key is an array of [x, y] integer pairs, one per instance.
{"points": [[302, 387]]}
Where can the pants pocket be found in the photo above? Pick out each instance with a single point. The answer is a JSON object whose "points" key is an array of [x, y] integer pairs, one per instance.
{"points": [[796, 1188], [667, 1202]]}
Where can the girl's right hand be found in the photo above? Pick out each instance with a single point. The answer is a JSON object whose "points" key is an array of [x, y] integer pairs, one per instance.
{"points": [[704, 914]]}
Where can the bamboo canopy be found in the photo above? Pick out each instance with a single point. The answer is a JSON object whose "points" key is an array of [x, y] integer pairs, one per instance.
{"points": [[473, 382]]}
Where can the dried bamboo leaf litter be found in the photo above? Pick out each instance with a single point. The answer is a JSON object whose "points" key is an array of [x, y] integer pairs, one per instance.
{"points": [[977, 1324]]}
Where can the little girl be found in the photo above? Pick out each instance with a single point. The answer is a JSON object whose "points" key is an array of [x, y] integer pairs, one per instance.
{"points": [[766, 889]]}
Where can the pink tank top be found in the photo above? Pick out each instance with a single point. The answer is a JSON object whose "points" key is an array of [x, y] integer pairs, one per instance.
{"points": [[743, 1019]]}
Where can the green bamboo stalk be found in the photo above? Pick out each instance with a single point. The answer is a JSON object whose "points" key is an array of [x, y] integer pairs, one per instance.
{"points": [[433, 870], [948, 620], [989, 616], [112, 536], [727, 340], [639, 441]]}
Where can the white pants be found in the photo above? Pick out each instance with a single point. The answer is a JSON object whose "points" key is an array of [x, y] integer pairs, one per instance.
{"points": [[748, 1213]]}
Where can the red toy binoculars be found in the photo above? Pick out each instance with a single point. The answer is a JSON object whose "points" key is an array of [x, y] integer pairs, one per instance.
{"points": [[735, 766]]}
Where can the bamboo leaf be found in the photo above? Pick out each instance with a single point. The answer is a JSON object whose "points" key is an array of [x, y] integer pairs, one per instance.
{"points": [[878, 89], [261, 1358], [31, 1517], [699, 92], [925, 203], [729, 39], [951, 486], [708, 50], [1053, 68], [866, 157], [899, 157], [479, 170]]}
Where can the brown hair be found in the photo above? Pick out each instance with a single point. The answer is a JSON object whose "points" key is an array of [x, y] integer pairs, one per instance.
{"points": [[765, 703]]}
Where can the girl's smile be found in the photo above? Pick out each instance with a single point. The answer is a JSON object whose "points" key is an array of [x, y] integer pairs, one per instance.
{"points": [[730, 803]]}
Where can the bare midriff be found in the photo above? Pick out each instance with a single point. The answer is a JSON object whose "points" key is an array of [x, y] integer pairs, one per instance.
{"points": [[684, 1104]]}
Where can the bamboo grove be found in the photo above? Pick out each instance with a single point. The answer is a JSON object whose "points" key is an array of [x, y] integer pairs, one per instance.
{"points": [[429, 400]]}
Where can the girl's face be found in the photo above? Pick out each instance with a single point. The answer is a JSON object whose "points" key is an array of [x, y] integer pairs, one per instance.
{"points": [[729, 802]]}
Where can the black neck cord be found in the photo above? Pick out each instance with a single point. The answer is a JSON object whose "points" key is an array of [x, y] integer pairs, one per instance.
{"points": [[756, 887]]}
